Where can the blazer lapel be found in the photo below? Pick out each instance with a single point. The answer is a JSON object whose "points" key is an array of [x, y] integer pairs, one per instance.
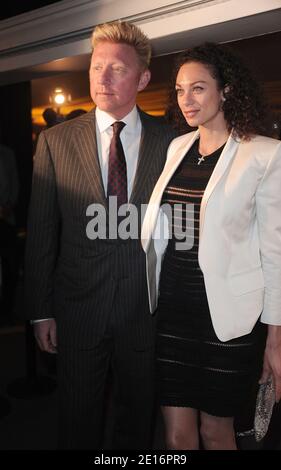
{"points": [[86, 144], [172, 164], [219, 170]]}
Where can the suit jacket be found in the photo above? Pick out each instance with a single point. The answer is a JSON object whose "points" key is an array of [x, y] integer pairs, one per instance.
{"points": [[69, 276], [240, 233]]}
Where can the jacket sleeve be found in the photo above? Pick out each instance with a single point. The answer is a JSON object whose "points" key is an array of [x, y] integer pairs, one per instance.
{"points": [[268, 206], [42, 236]]}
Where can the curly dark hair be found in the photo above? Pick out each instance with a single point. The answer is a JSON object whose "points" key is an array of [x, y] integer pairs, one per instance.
{"points": [[244, 108]]}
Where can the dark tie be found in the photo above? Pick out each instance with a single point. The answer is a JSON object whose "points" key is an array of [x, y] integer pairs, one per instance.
{"points": [[117, 169]]}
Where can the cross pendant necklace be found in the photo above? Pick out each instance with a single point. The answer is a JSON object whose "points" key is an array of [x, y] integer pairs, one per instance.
{"points": [[200, 160]]}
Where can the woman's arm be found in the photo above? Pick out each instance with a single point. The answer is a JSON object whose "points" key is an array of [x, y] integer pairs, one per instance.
{"points": [[272, 359], [268, 209]]}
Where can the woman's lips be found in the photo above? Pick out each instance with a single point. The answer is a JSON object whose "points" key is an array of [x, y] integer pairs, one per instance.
{"points": [[190, 114]]}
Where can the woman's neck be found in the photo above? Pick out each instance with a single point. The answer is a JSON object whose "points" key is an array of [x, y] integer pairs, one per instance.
{"points": [[211, 140]]}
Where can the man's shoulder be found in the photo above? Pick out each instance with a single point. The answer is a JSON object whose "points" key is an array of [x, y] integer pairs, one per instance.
{"points": [[157, 123], [67, 127]]}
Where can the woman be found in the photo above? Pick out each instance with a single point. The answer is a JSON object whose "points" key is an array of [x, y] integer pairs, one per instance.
{"points": [[216, 297]]}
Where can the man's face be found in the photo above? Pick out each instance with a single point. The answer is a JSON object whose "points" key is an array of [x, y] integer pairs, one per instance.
{"points": [[116, 78]]}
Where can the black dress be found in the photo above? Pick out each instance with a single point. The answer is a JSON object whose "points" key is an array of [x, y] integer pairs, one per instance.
{"points": [[194, 368]]}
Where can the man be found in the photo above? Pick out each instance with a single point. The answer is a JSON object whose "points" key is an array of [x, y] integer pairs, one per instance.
{"points": [[9, 188], [50, 117], [91, 293]]}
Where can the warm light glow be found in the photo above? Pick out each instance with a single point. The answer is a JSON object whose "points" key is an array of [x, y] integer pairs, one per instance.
{"points": [[59, 98]]}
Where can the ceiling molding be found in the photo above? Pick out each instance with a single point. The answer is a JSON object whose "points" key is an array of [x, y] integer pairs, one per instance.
{"points": [[27, 41]]}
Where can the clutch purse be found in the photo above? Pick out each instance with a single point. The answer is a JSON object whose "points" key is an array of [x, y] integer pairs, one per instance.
{"points": [[264, 407]]}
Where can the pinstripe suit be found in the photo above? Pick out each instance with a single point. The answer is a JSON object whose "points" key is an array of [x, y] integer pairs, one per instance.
{"points": [[96, 289]]}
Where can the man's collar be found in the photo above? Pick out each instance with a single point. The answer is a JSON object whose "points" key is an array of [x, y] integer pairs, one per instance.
{"points": [[104, 120]]}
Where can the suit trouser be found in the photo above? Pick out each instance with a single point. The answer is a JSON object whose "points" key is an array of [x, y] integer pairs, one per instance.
{"points": [[82, 382]]}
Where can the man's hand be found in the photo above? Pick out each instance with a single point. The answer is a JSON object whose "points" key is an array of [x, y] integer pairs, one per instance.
{"points": [[45, 333]]}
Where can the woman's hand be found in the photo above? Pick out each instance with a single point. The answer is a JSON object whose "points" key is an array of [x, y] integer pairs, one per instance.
{"points": [[272, 359]]}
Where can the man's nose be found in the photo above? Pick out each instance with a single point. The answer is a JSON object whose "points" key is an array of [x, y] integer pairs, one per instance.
{"points": [[104, 76]]}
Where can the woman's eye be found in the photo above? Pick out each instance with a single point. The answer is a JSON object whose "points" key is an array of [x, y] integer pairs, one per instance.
{"points": [[197, 89]]}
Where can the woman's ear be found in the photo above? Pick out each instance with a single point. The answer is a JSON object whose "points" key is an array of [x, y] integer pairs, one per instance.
{"points": [[224, 93], [226, 90]]}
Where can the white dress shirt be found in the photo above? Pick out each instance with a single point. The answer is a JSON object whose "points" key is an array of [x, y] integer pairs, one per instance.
{"points": [[130, 138]]}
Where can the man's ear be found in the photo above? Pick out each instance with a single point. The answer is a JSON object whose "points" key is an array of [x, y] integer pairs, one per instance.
{"points": [[144, 79]]}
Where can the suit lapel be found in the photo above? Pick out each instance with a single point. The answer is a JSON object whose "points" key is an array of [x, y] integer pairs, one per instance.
{"points": [[219, 170], [86, 144], [149, 148]]}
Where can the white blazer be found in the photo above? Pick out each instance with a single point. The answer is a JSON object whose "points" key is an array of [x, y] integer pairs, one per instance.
{"points": [[240, 233]]}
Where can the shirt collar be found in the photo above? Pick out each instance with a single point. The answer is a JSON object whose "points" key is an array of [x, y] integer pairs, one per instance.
{"points": [[104, 120]]}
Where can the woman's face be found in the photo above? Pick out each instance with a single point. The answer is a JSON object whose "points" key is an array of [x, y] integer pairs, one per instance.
{"points": [[199, 97]]}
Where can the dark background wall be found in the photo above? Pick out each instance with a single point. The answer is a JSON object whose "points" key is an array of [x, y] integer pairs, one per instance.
{"points": [[16, 127], [16, 7]]}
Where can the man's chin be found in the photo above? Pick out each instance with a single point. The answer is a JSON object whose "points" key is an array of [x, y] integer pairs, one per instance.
{"points": [[105, 106]]}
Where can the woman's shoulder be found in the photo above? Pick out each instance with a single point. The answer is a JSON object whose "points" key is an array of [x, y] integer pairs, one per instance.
{"points": [[262, 149], [182, 139], [262, 140]]}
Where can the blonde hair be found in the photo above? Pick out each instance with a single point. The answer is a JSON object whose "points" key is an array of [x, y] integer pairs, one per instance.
{"points": [[126, 33]]}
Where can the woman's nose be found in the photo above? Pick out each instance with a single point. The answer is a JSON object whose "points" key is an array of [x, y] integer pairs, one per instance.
{"points": [[187, 98]]}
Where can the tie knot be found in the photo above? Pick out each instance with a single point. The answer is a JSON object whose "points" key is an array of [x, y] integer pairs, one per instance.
{"points": [[117, 127]]}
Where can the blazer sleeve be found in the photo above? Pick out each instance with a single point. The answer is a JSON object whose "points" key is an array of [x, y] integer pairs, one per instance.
{"points": [[268, 207], [42, 236]]}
